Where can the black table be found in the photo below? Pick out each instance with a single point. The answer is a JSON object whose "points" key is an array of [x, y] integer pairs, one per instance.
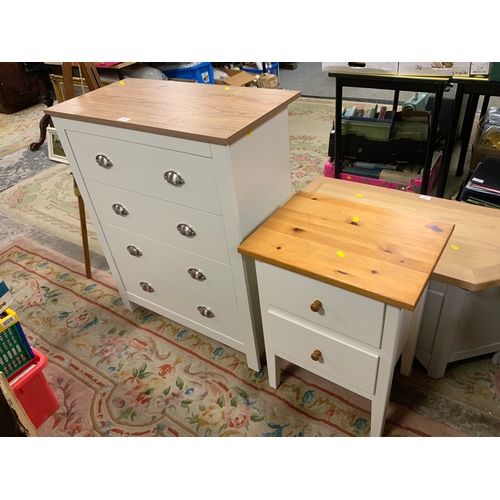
{"points": [[396, 83], [474, 87]]}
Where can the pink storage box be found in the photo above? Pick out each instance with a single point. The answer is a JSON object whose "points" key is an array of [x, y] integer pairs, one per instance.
{"points": [[413, 185], [33, 391]]}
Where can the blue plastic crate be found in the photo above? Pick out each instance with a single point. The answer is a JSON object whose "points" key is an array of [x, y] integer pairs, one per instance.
{"points": [[202, 73], [273, 70]]}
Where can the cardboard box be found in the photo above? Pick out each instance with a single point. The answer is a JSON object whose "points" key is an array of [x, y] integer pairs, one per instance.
{"points": [[434, 69], [479, 68], [236, 78], [365, 68], [479, 153]]}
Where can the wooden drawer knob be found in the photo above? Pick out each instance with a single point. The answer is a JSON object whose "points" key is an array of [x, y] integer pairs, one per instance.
{"points": [[316, 306], [316, 355]]}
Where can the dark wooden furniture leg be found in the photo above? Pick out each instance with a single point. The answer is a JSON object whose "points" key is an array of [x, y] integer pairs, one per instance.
{"points": [[45, 121]]}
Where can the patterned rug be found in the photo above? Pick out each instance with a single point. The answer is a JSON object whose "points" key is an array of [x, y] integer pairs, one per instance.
{"points": [[309, 124], [19, 130], [48, 202], [466, 398], [121, 373], [23, 164]]}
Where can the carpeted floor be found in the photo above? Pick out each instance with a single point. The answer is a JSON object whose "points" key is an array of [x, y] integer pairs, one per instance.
{"points": [[466, 399], [122, 373], [18, 130]]}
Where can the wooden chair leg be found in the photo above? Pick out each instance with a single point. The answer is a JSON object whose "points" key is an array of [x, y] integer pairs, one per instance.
{"points": [[69, 90], [93, 81], [91, 76], [83, 226]]}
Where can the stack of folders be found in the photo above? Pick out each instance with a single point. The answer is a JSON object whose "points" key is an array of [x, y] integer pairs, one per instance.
{"points": [[483, 185]]}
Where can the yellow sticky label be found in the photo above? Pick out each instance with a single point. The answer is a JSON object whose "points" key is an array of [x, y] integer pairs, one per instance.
{"points": [[249, 133], [454, 247], [341, 254], [226, 88], [355, 219], [122, 82], [359, 195]]}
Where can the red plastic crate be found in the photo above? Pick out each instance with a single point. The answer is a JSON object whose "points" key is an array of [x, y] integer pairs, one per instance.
{"points": [[33, 391]]}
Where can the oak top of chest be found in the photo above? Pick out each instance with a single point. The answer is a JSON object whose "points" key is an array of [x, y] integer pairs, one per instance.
{"points": [[375, 252], [217, 114]]}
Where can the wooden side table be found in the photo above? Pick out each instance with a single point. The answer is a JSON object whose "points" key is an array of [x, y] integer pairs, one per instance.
{"points": [[340, 288]]}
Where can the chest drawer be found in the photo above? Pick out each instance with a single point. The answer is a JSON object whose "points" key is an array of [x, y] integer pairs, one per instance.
{"points": [[158, 220], [142, 168], [346, 312], [337, 361], [225, 319], [166, 266]]}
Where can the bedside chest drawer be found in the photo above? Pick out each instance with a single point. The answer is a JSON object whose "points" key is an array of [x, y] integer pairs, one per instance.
{"points": [[158, 220], [190, 178], [337, 361], [143, 259], [346, 312]]}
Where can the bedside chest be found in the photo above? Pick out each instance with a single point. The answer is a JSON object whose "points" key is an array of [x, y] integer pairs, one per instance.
{"points": [[174, 176], [340, 287]]}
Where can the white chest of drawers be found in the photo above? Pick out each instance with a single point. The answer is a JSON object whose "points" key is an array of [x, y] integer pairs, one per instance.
{"points": [[174, 176], [340, 287]]}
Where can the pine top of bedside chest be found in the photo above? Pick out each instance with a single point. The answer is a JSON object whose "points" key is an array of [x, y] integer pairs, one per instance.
{"points": [[218, 114], [375, 252]]}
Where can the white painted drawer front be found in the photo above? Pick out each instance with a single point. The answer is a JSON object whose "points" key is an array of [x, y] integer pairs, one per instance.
{"points": [[158, 219], [166, 266], [346, 312], [338, 360], [141, 168], [184, 302]]}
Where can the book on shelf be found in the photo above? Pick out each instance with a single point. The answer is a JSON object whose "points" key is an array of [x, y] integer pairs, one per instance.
{"points": [[480, 201], [350, 112], [366, 164], [364, 168], [369, 114], [487, 175], [372, 173]]}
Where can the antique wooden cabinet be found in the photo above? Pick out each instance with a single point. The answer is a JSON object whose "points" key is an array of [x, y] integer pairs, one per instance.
{"points": [[18, 88]]}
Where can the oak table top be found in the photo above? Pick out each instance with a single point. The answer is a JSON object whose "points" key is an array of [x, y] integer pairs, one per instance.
{"points": [[470, 261], [218, 114], [375, 252]]}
